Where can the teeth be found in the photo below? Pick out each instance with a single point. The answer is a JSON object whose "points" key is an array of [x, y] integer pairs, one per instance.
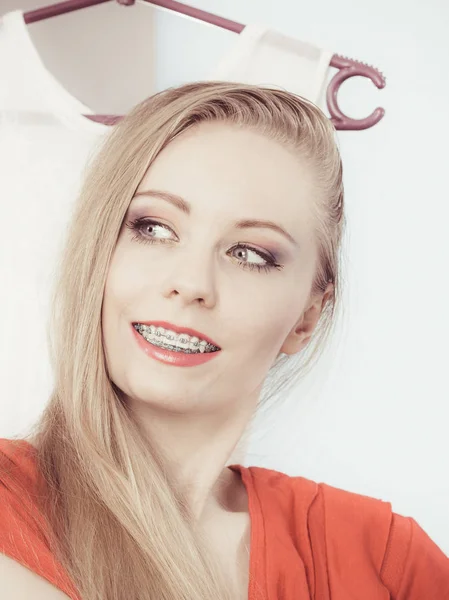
{"points": [[180, 342]]}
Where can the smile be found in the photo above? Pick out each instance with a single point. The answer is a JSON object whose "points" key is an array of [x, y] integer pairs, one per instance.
{"points": [[174, 352], [163, 338]]}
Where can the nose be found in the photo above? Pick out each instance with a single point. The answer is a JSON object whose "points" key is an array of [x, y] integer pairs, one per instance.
{"points": [[192, 278]]}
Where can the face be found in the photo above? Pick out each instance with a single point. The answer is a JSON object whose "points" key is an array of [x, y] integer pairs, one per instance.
{"points": [[187, 262]]}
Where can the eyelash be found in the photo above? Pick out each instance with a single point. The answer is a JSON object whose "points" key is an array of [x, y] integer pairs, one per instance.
{"points": [[138, 224]]}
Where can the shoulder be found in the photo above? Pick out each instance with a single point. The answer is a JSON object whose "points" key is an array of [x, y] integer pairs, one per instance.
{"points": [[333, 500], [25, 553], [342, 519], [357, 540]]}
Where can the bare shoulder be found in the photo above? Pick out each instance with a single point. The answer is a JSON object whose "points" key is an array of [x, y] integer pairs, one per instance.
{"points": [[17, 582]]}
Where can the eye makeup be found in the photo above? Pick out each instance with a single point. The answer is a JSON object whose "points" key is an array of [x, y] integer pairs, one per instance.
{"points": [[140, 226]]}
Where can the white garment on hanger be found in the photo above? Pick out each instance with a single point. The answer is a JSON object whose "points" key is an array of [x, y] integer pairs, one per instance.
{"points": [[263, 56], [27, 84], [42, 166]]}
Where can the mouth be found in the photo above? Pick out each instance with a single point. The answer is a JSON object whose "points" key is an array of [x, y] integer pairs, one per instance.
{"points": [[174, 338]]}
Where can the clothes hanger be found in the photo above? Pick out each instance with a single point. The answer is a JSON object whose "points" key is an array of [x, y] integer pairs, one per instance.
{"points": [[347, 67]]}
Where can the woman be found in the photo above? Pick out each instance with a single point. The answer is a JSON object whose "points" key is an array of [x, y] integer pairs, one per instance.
{"points": [[213, 210]]}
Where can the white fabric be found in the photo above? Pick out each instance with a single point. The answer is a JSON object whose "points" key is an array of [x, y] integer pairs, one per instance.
{"points": [[27, 84], [45, 146], [263, 56], [42, 165]]}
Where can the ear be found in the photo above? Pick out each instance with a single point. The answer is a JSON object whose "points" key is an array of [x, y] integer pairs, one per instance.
{"points": [[303, 329]]}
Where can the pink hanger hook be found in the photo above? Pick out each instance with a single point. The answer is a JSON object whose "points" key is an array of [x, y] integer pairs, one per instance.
{"points": [[351, 68]]}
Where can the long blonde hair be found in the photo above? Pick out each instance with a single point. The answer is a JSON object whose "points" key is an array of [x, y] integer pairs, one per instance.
{"points": [[119, 527]]}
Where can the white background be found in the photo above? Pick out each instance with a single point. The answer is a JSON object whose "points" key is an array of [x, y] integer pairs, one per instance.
{"points": [[373, 416]]}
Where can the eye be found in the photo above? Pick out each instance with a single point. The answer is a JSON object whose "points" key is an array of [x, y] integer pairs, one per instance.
{"points": [[270, 262], [141, 226]]}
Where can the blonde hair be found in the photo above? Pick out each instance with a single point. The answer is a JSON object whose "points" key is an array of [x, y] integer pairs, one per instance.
{"points": [[118, 524]]}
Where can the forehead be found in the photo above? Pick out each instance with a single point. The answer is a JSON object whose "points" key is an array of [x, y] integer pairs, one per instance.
{"points": [[237, 171]]}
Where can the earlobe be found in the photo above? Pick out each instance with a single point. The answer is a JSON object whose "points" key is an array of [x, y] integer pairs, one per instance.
{"points": [[302, 332], [295, 342], [296, 339]]}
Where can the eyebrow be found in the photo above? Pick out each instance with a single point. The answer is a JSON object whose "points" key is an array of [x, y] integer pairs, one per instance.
{"points": [[185, 207]]}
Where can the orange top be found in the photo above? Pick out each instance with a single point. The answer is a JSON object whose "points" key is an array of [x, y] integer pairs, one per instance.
{"points": [[308, 540]]}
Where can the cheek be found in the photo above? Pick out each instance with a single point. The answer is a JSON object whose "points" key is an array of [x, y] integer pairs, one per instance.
{"points": [[269, 324], [117, 296], [273, 336], [124, 281], [111, 298], [264, 333]]}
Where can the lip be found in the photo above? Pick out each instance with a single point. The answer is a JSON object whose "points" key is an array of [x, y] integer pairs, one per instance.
{"points": [[178, 329], [174, 359]]}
